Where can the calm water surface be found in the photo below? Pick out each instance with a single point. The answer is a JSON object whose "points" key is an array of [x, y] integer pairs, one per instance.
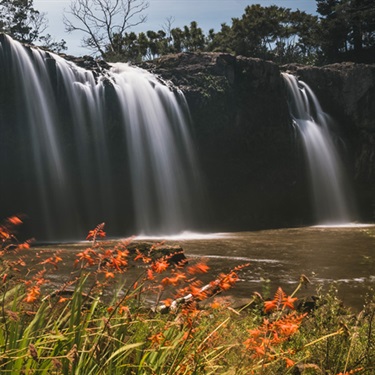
{"points": [[326, 255]]}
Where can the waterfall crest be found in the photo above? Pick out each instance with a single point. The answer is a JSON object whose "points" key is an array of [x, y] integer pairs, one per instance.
{"points": [[329, 186], [80, 149]]}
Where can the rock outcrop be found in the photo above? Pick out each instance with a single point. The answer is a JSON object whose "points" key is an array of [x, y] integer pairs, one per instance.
{"points": [[250, 156], [250, 161]]}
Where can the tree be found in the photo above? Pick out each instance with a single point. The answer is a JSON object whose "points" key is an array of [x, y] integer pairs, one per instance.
{"points": [[194, 39], [347, 29], [333, 30], [105, 23], [21, 21], [272, 32], [361, 14]]}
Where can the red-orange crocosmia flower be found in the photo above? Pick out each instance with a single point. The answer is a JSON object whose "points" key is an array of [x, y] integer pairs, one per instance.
{"points": [[32, 294], [97, 232], [15, 220], [288, 301], [109, 275], [174, 280], [289, 362], [160, 265], [280, 300], [157, 338], [86, 256], [198, 268], [150, 275]]}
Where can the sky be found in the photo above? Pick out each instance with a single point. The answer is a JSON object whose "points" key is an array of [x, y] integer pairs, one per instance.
{"points": [[209, 14]]}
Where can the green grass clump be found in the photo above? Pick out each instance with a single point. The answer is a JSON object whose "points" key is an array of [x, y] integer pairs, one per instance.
{"points": [[97, 322]]}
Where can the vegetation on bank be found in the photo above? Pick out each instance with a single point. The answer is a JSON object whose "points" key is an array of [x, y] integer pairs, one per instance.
{"points": [[341, 30], [99, 322]]}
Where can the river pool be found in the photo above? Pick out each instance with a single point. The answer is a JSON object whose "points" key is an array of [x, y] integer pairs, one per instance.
{"points": [[326, 255]]}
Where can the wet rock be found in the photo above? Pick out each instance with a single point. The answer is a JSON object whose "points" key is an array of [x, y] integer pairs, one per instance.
{"points": [[174, 254]]}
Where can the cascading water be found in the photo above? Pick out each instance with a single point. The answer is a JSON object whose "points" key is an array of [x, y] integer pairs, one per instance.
{"points": [[329, 186], [77, 149]]}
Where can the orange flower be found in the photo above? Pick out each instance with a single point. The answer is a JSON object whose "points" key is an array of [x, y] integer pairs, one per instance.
{"points": [[198, 292], [288, 301], [160, 266], [198, 268], [144, 258], [97, 232], [280, 300], [260, 351], [52, 260], [117, 262], [167, 302], [288, 328], [215, 305], [157, 338], [33, 294], [150, 275], [124, 310], [226, 281], [15, 220], [174, 280], [270, 305], [109, 275], [255, 332], [289, 362], [24, 246], [86, 256]]}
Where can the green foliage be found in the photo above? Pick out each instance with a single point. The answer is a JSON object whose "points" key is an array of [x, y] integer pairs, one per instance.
{"points": [[20, 20], [347, 28], [150, 45], [272, 32], [96, 323]]}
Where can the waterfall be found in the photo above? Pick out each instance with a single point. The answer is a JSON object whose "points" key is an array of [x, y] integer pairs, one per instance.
{"points": [[329, 185], [78, 148]]}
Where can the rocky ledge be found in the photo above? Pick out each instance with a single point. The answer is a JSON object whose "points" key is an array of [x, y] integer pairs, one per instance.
{"points": [[245, 139]]}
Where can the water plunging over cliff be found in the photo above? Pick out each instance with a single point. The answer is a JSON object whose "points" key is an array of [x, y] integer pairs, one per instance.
{"points": [[329, 186], [79, 148]]}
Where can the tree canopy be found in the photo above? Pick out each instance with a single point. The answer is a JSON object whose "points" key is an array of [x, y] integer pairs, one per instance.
{"points": [[347, 29], [20, 20], [340, 30]]}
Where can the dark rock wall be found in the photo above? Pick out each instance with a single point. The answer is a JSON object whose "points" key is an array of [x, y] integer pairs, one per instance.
{"points": [[347, 92], [251, 159], [251, 163]]}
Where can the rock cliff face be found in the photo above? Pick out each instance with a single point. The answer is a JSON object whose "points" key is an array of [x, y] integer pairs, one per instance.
{"points": [[347, 92], [251, 159]]}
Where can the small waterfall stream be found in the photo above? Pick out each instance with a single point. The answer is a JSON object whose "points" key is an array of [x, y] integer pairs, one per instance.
{"points": [[329, 185], [78, 149]]}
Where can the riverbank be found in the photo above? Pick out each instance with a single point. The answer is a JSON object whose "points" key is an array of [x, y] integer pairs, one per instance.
{"points": [[98, 320]]}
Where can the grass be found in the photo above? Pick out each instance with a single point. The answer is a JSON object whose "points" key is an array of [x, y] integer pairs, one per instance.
{"points": [[97, 322]]}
